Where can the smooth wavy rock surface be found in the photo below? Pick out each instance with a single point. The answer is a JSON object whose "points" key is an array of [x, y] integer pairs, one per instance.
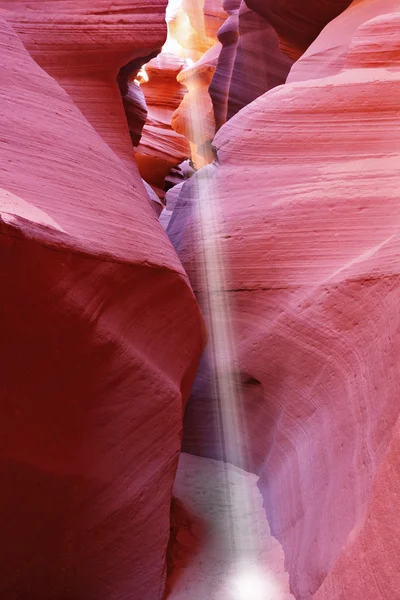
{"points": [[161, 148], [250, 63], [83, 44], [135, 108], [228, 35], [194, 118], [95, 359], [308, 237], [368, 565], [298, 23], [260, 64], [334, 48]]}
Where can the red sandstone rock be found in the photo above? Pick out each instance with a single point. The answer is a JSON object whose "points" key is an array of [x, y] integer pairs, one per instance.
{"points": [[161, 147], [135, 110], [307, 186], [83, 44], [298, 23], [250, 62], [368, 564], [228, 35], [259, 65], [155, 201], [335, 48], [96, 361], [133, 99], [195, 116]]}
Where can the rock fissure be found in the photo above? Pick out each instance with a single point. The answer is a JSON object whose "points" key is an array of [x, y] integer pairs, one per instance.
{"points": [[174, 389]]}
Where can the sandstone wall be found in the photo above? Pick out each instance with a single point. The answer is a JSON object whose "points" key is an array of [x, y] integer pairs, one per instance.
{"points": [[96, 362], [307, 184]]}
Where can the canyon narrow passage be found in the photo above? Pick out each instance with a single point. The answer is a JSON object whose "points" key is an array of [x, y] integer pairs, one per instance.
{"points": [[225, 550], [199, 299]]}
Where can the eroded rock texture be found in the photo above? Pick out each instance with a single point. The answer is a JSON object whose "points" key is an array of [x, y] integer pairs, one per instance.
{"points": [[83, 44], [251, 61], [195, 116], [307, 185], [298, 23], [334, 48], [228, 35], [96, 361], [260, 64], [366, 567], [161, 148]]}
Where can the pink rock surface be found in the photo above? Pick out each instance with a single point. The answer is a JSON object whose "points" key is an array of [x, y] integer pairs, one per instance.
{"points": [[228, 35], [309, 237], [250, 63], [259, 65], [334, 48], [96, 361], [133, 99], [83, 44], [155, 201], [135, 110], [368, 565], [298, 23]]}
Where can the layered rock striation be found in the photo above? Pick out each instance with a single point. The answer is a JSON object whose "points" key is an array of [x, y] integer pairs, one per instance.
{"points": [[259, 64], [251, 61], [335, 49], [194, 118], [228, 36], [307, 237], [83, 44], [96, 361], [298, 24], [161, 148]]}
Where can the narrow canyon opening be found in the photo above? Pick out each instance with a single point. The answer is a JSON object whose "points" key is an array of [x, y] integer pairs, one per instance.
{"points": [[220, 545], [218, 58], [199, 254]]}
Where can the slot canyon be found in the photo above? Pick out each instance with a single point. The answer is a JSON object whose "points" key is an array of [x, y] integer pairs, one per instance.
{"points": [[200, 303]]}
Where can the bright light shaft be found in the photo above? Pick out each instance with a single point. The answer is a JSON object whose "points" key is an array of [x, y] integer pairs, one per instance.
{"points": [[251, 580], [172, 9], [251, 583], [218, 313]]}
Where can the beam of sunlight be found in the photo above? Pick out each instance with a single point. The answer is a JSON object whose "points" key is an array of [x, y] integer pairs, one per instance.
{"points": [[252, 583], [252, 580], [142, 76]]}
